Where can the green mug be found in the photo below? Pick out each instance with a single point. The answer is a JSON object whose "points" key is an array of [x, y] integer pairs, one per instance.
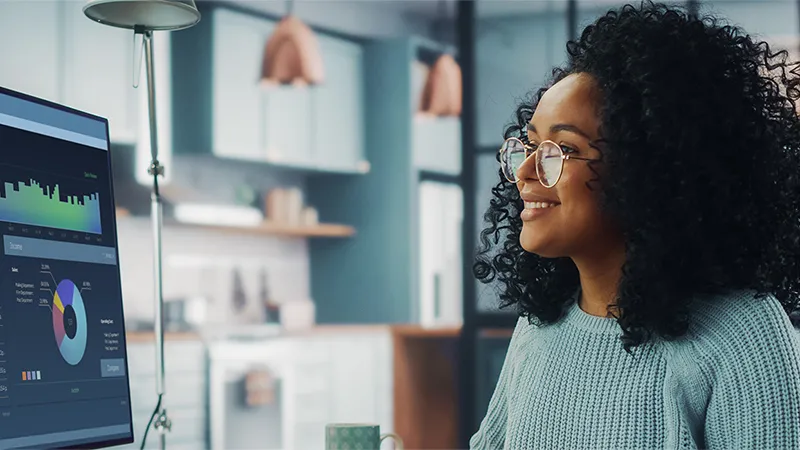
{"points": [[357, 436]]}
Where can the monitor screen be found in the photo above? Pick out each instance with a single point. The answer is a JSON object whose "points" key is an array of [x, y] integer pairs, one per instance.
{"points": [[63, 368]]}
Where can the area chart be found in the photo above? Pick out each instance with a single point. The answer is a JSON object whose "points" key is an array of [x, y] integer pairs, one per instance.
{"points": [[32, 203]]}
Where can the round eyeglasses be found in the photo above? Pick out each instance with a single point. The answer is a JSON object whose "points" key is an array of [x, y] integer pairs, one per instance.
{"points": [[549, 161]]}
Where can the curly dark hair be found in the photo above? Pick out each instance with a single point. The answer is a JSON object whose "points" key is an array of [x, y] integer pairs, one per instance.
{"points": [[702, 172]]}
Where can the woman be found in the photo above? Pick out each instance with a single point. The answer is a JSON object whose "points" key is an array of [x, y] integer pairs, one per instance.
{"points": [[647, 230]]}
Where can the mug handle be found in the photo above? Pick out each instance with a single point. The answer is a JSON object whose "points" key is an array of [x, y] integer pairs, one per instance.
{"points": [[397, 440]]}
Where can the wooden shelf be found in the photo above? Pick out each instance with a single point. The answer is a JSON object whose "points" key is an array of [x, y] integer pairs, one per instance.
{"points": [[278, 229], [311, 168], [331, 230], [416, 331], [496, 333]]}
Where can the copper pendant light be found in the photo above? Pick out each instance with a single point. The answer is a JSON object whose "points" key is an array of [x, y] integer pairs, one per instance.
{"points": [[292, 54], [442, 95]]}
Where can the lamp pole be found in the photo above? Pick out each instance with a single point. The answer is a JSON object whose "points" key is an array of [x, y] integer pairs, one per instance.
{"points": [[144, 17], [162, 422]]}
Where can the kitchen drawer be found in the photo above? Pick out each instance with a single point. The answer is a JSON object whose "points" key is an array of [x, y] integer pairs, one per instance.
{"points": [[310, 350], [180, 357], [180, 391], [309, 436], [172, 443], [310, 379], [187, 425], [312, 408], [186, 445]]}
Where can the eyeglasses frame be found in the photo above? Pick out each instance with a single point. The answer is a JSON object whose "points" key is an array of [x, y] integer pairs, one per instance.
{"points": [[564, 157]]}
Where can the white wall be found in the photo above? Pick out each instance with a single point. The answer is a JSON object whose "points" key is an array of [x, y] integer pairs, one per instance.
{"points": [[200, 263]]}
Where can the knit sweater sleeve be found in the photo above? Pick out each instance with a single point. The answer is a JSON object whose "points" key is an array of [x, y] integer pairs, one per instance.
{"points": [[755, 395], [492, 432]]}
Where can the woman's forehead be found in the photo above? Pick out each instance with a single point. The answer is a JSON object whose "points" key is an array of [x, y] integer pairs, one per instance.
{"points": [[573, 101]]}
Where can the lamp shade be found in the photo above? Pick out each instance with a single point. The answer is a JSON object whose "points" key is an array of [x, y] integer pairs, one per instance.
{"points": [[154, 15], [292, 55], [442, 95]]}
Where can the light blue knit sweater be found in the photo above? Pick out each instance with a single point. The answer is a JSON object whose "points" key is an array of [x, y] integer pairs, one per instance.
{"points": [[733, 382]]}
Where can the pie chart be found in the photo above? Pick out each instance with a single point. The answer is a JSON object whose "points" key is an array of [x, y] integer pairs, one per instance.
{"points": [[69, 322]]}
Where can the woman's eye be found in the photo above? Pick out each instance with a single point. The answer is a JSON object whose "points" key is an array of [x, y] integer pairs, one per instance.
{"points": [[567, 149]]}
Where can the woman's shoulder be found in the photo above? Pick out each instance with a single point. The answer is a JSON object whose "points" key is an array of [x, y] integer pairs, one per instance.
{"points": [[526, 337], [732, 314], [743, 325]]}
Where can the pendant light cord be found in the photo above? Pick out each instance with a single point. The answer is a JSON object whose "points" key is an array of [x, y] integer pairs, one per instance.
{"points": [[442, 13], [289, 7]]}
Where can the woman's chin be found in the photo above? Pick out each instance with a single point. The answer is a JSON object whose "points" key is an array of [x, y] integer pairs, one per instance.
{"points": [[538, 244]]}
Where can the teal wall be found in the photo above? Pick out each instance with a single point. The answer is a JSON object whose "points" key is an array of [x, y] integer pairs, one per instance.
{"points": [[513, 57], [371, 278], [764, 18]]}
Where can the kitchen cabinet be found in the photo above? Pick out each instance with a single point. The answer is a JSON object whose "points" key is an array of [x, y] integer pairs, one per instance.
{"points": [[347, 381], [320, 378], [97, 71], [53, 51], [186, 389], [237, 99], [440, 264], [338, 117], [318, 128], [437, 144], [287, 125], [30, 34]]}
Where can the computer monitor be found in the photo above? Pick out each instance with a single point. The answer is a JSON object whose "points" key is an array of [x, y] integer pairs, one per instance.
{"points": [[63, 364]]}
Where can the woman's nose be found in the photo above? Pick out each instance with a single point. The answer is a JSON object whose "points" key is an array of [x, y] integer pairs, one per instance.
{"points": [[527, 170]]}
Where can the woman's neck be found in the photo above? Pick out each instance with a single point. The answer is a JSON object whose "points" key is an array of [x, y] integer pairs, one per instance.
{"points": [[599, 277]]}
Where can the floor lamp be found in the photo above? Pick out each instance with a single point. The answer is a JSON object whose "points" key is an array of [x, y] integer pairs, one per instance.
{"points": [[144, 17]]}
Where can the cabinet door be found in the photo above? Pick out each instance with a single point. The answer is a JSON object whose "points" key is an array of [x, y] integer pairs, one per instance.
{"points": [[29, 32], [440, 263], [287, 125], [339, 107], [98, 71], [238, 45], [353, 377], [437, 144]]}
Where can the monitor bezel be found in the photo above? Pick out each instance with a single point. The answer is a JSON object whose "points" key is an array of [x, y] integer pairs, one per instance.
{"points": [[51, 104]]}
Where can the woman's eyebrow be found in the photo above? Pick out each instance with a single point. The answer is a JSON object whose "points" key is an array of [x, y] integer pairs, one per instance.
{"points": [[562, 127]]}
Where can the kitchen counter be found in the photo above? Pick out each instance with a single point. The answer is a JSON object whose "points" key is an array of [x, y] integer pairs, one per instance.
{"points": [[402, 331], [150, 336], [410, 331], [411, 368]]}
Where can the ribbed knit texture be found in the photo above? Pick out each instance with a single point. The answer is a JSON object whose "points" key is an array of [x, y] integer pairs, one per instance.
{"points": [[732, 382]]}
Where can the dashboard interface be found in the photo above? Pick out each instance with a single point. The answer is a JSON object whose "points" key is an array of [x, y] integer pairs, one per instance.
{"points": [[63, 370]]}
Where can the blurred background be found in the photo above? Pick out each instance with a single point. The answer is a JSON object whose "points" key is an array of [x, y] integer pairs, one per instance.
{"points": [[319, 231]]}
